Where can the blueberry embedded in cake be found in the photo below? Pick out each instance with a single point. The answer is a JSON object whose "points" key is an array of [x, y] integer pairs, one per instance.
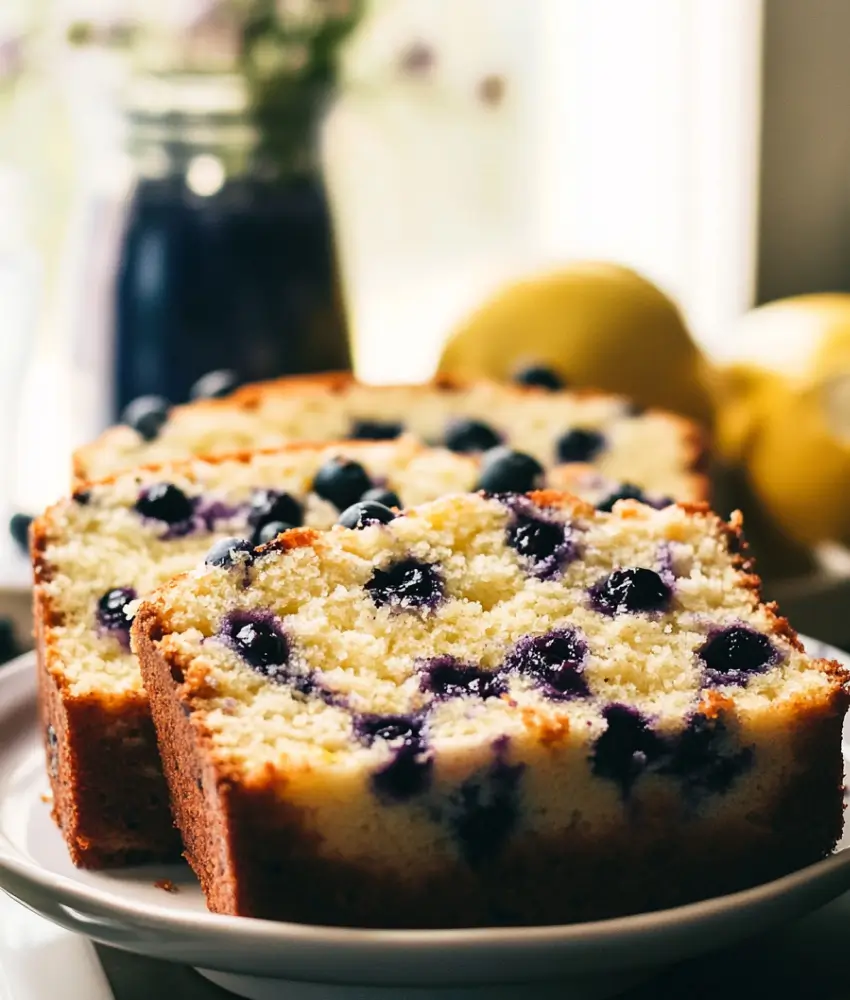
{"points": [[442, 734], [97, 553]]}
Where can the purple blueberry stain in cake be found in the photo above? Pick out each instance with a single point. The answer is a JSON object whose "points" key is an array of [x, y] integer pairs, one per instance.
{"points": [[554, 662], [666, 563], [485, 810], [446, 677], [366, 429], [406, 585], [111, 614], [544, 543], [259, 638], [659, 503], [408, 772], [630, 591], [579, 444], [734, 654], [705, 758], [52, 741], [81, 497], [626, 748], [211, 512]]}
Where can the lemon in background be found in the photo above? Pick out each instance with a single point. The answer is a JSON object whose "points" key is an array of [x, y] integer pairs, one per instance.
{"points": [[743, 395], [798, 461], [598, 325], [797, 336], [783, 414]]}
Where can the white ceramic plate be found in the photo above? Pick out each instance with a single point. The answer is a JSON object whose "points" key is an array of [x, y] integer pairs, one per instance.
{"points": [[124, 908]]}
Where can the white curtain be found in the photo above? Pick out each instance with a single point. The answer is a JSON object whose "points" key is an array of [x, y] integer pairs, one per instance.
{"points": [[626, 130]]}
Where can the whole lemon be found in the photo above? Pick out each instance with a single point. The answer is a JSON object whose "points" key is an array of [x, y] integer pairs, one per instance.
{"points": [[798, 459], [598, 325], [783, 413]]}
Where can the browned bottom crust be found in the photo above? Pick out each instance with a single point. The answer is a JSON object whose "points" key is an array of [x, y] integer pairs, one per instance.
{"points": [[110, 798], [253, 859]]}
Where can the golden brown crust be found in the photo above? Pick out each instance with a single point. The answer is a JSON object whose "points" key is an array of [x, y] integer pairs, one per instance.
{"points": [[197, 791], [110, 799]]}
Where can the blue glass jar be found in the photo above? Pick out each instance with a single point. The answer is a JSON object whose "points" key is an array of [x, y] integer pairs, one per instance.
{"points": [[227, 260]]}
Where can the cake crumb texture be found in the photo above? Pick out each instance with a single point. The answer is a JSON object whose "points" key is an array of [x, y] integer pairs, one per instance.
{"points": [[95, 555], [490, 710]]}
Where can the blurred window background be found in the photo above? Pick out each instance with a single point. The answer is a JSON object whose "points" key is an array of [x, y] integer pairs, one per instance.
{"points": [[155, 224]]}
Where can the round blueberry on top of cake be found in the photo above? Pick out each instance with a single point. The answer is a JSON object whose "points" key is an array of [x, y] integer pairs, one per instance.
{"points": [[269, 505], [458, 737], [113, 613], [342, 482], [507, 471], [147, 415], [540, 377], [365, 512], [165, 502], [468, 435], [580, 445]]}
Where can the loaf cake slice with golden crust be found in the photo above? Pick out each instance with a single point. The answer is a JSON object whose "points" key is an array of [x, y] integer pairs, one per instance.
{"points": [[98, 552], [656, 451], [490, 709]]}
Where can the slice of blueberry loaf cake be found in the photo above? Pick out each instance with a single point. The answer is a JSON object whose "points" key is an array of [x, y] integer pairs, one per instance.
{"points": [[656, 451], [490, 709], [97, 553]]}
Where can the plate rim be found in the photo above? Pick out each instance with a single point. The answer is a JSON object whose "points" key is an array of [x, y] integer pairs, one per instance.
{"points": [[265, 932]]}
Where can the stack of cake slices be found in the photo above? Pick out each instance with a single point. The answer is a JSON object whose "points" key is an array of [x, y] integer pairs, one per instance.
{"points": [[428, 656]]}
